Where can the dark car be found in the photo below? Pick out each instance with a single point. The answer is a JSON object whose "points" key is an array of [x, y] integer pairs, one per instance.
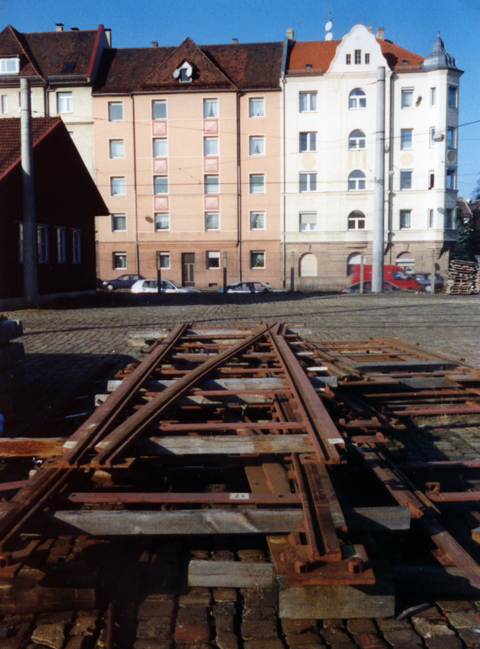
{"points": [[250, 287], [425, 281], [367, 287], [124, 281]]}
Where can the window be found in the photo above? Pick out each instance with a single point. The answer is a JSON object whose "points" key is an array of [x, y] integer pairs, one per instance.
{"points": [[64, 102], [451, 180], [407, 98], [357, 99], [4, 104], [405, 179], [308, 141], [433, 96], [449, 219], [257, 145], [115, 111], [119, 222], [348, 59], [119, 260], [210, 146], [117, 148], [257, 220], [212, 185], [212, 221], [451, 137], [117, 186], [308, 221], [358, 56], [76, 246], [356, 140], [160, 147], [405, 219], [160, 185], [210, 108], [9, 66], [257, 183], [164, 258], [162, 222], [367, 58], [213, 260], [61, 254], [406, 138], [308, 102], [308, 182], [430, 218], [453, 96], [256, 107], [159, 109], [432, 137], [257, 259], [431, 179], [42, 244], [356, 220], [356, 180]]}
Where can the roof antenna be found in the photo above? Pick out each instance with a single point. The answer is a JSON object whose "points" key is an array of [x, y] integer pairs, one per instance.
{"points": [[328, 27]]}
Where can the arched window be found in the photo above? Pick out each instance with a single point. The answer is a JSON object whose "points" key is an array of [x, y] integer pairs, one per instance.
{"points": [[406, 261], [357, 99], [308, 265], [356, 220], [356, 140], [352, 260], [356, 180]]}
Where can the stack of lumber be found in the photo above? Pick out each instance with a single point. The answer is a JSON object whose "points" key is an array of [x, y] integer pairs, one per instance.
{"points": [[11, 355], [476, 282], [462, 278]]}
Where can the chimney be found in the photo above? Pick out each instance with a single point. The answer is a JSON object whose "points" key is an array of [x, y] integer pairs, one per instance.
{"points": [[59, 27], [234, 41], [74, 29], [108, 34], [154, 43], [380, 33], [369, 29], [290, 34]]}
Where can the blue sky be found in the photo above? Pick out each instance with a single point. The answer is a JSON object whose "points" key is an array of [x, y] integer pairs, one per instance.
{"points": [[413, 25]]}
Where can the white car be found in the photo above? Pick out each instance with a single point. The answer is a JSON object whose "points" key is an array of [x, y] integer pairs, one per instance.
{"points": [[251, 287], [151, 286]]}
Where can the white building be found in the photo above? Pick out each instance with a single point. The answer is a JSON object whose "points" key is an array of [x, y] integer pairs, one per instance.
{"points": [[329, 112]]}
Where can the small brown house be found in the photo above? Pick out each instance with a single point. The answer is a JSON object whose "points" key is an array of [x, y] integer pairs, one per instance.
{"points": [[66, 203]]}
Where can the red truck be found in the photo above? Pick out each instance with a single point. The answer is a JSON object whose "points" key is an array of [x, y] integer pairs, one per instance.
{"points": [[393, 274]]}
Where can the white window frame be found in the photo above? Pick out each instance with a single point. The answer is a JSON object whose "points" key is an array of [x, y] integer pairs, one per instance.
{"points": [[357, 99], [307, 141], [404, 144], [356, 220], [407, 98], [213, 143], [406, 175], [357, 182], [433, 96], [355, 140], [158, 143], [405, 220], [253, 142], [4, 104], [160, 103], [308, 101], [6, 66], [64, 102], [307, 182], [348, 59], [61, 246], [254, 113], [306, 222], [165, 259], [211, 215], [42, 244], [160, 185], [357, 57], [254, 184], [111, 106], [115, 217], [257, 216], [258, 266], [112, 183], [213, 260], [112, 144], [211, 105], [160, 218], [211, 184], [76, 247], [117, 262]]}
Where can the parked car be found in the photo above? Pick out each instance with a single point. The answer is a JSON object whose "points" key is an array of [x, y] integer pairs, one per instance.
{"points": [[167, 286], [250, 287], [367, 287], [124, 281], [425, 281]]}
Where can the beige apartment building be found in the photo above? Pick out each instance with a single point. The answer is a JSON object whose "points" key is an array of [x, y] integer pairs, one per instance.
{"points": [[188, 153]]}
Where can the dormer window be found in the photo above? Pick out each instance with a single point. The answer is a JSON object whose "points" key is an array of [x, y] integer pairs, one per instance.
{"points": [[68, 66], [10, 66], [184, 73]]}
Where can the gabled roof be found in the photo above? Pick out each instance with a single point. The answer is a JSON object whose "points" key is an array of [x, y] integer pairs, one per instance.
{"points": [[10, 142], [218, 67], [43, 54], [319, 54]]}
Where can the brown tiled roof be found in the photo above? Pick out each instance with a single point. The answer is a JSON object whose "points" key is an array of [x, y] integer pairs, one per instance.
{"points": [[10, 143], [218, 67], [44, 53], [320, 54]]}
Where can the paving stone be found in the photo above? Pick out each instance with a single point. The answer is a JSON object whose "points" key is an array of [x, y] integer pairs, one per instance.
{"points": [[154, 608], [298, 640], [226, 640], [429, 628], [196, 597], [471, 637], [224, 615], [192, 625], [225, 594], [333, 623], [432, 613], [443, 643], [455, 606], [298, 626], [362, 625], [254, 629], [388, 624], [256, 556], [258, 598], [154, 627], [335, 635], [402, 636], [466, 619], [78, 642], [50, 635], [264, 643], [370, 641], [84, 625], [259, 613]]}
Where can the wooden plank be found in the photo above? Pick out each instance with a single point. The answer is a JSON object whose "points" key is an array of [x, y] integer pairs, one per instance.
{"points": [[405, 366], [230, 574], [183, 522], [43, 600], [30, 446], [378, 519], [214, 384]]}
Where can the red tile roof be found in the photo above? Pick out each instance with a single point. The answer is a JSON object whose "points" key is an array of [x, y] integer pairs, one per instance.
{"points": [[319, 54], [10, 143]]}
